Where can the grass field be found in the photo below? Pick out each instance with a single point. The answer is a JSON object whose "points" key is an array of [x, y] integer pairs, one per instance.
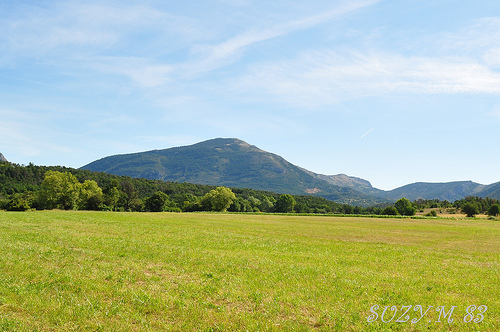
{"points": [[104, 271]]}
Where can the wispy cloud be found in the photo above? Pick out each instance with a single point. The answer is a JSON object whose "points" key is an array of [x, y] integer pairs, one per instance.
{"points": [[229, 50], [73, 28], [140, 70], [323, 77]]}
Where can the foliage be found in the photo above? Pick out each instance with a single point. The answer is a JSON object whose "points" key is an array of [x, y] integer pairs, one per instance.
{"points": [[470, 209], [390, 211], [422, 204], [90, 196], [494, 210], [285, 203], [218, 199], [59, 191], [20, 202], [482, 203], [159, 202], [432, 213], [122, 193], [404, 207]]}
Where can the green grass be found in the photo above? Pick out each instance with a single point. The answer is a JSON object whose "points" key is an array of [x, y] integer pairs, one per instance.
{"points": [[104, 271]]}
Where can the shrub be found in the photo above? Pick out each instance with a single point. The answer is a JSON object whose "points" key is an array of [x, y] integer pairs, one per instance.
{"points": [[404, 207], [432, 213], [390, 211], [494, 210], [20, 202], [470, 209]]}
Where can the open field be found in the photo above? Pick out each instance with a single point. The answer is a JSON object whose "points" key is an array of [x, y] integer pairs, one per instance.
{"points": [[105, 271]]}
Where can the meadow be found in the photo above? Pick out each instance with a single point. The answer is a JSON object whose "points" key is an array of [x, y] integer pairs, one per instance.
{"points": [[110, 271]]}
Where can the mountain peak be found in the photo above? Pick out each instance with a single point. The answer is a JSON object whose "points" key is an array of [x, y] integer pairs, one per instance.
{"points": [[222, 145], [227, 162], [2, 158]]}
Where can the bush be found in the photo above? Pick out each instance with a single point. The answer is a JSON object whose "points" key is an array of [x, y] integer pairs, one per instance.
{"points": [[20, 202], [470, 209], [404, 207], [390, 211], [3, 203], [432, 213], [157, 202], [494, 210]]}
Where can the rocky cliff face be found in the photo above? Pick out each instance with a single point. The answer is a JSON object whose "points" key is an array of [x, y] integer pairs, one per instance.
{"points": [[2, 158]]}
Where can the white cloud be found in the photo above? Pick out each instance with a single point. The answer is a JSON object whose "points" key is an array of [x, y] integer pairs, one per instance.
{"points": [[481, 34], [464, 62], [73, 28], [218, 55], [140, 70], [319, 78]]}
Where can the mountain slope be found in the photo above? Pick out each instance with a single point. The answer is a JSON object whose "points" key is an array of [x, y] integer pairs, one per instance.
{"points": [[235, 163], [492, 191], [449, 191], [229, 162], [2, 158]]}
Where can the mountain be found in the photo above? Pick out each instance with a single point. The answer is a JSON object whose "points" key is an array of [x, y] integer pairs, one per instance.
{"points": [[2, 158], [234, 163], [343, 180], [492, 191], [450, 191], [229, 162]]}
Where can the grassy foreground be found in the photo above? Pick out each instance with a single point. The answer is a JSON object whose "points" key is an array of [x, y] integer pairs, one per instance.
{"points": [[103, 271]]}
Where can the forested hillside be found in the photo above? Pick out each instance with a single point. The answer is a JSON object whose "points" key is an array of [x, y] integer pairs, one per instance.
{"points": [[49, 187], [123, 193]]}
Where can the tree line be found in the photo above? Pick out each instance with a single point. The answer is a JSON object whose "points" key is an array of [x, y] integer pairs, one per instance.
{"points": [[58, 187]]}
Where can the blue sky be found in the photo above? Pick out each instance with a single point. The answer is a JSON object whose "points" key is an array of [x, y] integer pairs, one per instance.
{"points": [[394, 92]]}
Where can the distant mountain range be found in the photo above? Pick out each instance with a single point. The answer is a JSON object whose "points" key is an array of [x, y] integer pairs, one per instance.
{"points": [[234, 163]]}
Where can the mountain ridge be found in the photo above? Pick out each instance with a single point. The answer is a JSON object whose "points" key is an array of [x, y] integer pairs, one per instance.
{"points": [[235, 163], [229, 162]]}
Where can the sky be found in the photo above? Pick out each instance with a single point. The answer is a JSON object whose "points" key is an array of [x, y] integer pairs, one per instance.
{"points": [[391, 91]]}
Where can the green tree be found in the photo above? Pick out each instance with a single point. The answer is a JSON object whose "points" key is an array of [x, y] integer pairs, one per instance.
{"points": [[404, 207], [111, 198], [59, 190], [285, 203], [218, 199], [389, 211], [90, 196], [20, 202], [470, 209], [494, 210], [267, 203], [157, 202], [129, 197]]}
